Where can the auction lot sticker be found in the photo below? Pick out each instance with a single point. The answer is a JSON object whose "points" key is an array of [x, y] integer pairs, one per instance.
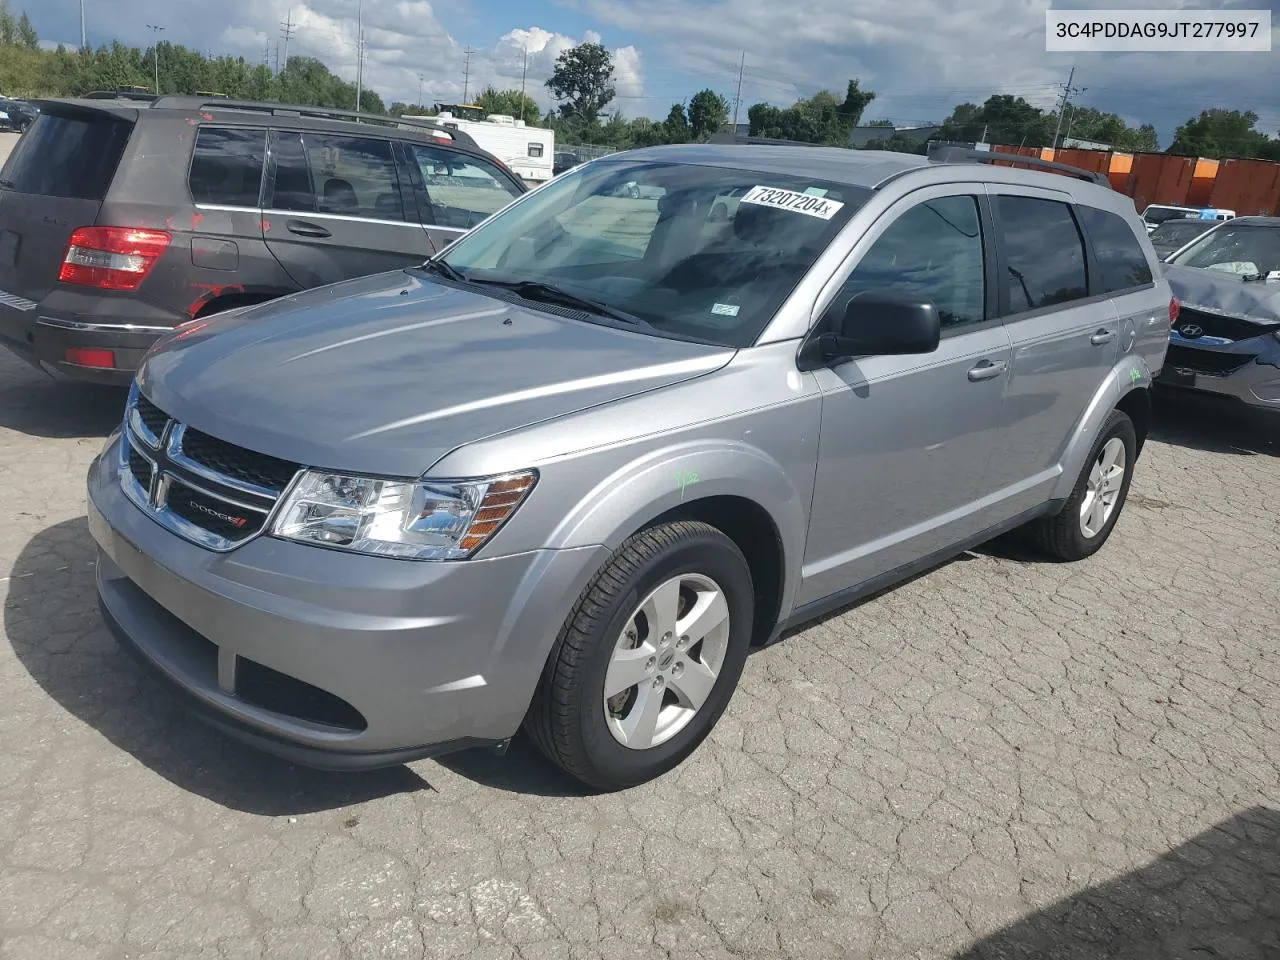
{"points": [[806, 203]]}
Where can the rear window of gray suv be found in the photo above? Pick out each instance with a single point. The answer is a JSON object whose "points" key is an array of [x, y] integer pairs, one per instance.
{"points": [[689, 251], [68, 157]]}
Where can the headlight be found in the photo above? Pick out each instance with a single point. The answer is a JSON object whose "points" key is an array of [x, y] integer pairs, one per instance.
{"points": [[408, 519]]}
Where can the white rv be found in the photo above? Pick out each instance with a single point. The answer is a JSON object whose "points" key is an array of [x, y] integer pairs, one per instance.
{"points": [[529, 152]]}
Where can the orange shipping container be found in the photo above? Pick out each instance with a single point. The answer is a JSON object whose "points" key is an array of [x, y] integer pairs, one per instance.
{"points": [[1249, 187], [1159, 178]]}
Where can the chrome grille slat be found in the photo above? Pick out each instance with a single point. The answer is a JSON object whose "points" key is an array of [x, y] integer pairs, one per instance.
{"points": [[193, 499]]}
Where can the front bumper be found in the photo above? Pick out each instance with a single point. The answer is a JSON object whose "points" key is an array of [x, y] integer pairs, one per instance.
{"points": [[1246, 370], [41, 333], [325, 658]]}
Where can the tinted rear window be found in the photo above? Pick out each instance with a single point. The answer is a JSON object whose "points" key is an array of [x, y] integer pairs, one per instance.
{"points": [[1121, 262], [1044, 251], [73, 157], [226, 167]]}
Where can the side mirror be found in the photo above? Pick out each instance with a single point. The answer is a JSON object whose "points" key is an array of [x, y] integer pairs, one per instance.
{"points": [[878, 324]]}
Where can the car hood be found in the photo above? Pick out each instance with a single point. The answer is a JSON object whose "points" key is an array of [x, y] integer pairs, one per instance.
{"points": [[388, 373], [1214, 291]]}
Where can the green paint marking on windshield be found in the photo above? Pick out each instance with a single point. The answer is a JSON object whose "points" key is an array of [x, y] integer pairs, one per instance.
{"points": [[1134, 374], [684, 480]]}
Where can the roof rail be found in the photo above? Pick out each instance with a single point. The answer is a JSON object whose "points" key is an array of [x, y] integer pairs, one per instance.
{"points": [[966, 155], [118, 95], [182, 102]]}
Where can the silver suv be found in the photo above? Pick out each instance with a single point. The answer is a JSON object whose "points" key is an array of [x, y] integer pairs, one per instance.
{"points": [[646, 417]]}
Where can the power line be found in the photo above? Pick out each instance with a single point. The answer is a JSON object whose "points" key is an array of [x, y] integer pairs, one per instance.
{"points": [[1067, 91]]}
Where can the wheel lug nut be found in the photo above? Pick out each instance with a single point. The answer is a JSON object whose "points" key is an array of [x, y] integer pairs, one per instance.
{"points": [[657, 683], [651, 663], [677, 670], [683, 642]]}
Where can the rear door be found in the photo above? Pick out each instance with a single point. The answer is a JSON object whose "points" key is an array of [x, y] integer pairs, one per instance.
{"points": [[336, 210], [456, 190], [1065, 336], [53, 182]]}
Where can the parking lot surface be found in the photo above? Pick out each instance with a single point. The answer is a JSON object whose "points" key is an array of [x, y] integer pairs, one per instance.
{"points": [[1003, 758]]}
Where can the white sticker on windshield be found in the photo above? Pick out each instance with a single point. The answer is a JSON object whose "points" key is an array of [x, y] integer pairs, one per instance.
{"points": [[805, 203], [725, 309]]}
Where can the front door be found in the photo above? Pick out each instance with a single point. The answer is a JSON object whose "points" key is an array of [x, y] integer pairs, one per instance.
{"points": [[907, 442], [335, 209], [456, 190]]}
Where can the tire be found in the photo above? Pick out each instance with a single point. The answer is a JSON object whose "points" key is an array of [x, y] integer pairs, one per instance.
{"points": [[1063, 536], [570, 719]]}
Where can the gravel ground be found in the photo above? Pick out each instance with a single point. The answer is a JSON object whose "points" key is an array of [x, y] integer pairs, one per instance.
{"points": [[1003, 758]]}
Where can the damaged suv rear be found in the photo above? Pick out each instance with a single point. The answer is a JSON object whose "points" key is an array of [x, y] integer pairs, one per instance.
{"points": [[1226, 340]]}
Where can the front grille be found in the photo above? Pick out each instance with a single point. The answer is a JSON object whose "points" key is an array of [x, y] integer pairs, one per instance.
{"points": [[236, 462], [140, 468], [213, 514], [1216, 325], [208, 491], [152, 416], [1212, 362]]}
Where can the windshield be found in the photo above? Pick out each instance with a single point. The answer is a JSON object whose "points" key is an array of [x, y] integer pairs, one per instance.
{"points": [[1161, 214], [687, 251], [1243, 250], [1179, 231]]}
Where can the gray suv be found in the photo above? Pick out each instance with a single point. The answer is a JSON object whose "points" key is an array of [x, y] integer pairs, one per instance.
{"points": [[567, 473]]}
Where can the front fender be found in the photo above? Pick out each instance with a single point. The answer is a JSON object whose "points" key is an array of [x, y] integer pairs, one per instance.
{"points": [[1129, 374], [663, 480]]}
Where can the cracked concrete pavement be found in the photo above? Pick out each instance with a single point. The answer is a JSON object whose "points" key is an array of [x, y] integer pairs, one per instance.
{"points": [[1003, 758]]}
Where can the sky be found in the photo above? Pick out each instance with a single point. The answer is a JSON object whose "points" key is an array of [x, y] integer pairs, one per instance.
{"points": [[921, 57]]}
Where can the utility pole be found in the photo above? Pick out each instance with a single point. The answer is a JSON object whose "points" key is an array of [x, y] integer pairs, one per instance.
{"points": [[421, 81], [1067, 91], [84, 42], [737, 97], [266, 54], [466, 76], [524, 73], [286, 31], [155, 51], [359, 50]]}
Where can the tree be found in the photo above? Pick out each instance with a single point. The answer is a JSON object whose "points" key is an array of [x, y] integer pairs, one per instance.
{"points": [[583, 80], [898, 143], [880, 123], [511, 103], [676, 126], [1222, 133], [708, 112], [1003, 119], [1086, 123], [822, 118], [27, 37]]}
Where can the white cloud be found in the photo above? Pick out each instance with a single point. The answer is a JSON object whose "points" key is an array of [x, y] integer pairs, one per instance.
{"points": [[924, 57]]}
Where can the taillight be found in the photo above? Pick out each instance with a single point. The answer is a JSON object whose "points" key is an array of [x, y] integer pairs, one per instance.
{"points": [[1174, 308], [112, 258], [90, 357]]}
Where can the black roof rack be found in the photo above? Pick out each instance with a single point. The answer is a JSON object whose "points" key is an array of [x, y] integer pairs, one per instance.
{"points": [[967, 155], [125, 94], [182, 102]]}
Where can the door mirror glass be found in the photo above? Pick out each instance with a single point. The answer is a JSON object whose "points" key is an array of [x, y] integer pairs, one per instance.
{"points": [[881, 324]]}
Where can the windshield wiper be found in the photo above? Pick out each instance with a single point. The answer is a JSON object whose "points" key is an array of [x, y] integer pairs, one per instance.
{"points": [[445, 270], [548, 293]]}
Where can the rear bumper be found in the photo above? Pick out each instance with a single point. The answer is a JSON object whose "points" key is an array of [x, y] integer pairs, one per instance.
{"points": [[42, 336]]}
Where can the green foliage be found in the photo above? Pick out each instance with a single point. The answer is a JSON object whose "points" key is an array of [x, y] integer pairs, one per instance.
{"points": [[1224, 133], [822, 118], [708, 112], [898, 143], [676, 127], [511, 103], [1005, 120], [583, 81], [1086, 123]]}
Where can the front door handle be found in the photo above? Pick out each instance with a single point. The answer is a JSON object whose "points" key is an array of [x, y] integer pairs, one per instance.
{"points": [[304, 229], [987, 370], [1101, 337]]}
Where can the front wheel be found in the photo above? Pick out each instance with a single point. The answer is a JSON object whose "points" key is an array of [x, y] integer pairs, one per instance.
{"points": [[1091, 512], [648, 658]]}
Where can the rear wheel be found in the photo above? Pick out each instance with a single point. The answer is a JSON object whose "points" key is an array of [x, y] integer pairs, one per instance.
{"points": [[1091, 512], [648, 658]]}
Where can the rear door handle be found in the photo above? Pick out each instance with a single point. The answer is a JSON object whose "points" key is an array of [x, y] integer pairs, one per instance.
{"points": [[304, 229], [1101, 337], [987, 370]]}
